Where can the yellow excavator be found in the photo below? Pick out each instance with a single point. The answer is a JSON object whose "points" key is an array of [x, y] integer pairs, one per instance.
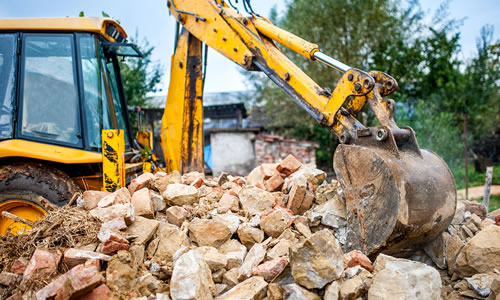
{"points": [[398, 196]]}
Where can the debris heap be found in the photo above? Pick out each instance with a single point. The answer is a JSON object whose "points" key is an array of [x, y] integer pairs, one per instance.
{"points": [[277, 233]]}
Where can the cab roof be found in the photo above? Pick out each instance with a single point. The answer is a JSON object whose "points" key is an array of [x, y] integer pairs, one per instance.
{"points": [[89, 24]]}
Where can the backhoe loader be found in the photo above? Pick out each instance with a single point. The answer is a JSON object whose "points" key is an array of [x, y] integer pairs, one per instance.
{"points": [[398, 196]]}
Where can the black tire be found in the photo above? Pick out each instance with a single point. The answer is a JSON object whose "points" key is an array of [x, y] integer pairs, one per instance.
{"points": [[28, 181]]}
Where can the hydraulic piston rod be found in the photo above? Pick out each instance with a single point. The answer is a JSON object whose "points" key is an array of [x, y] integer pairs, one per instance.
{"points": [[331, 62], [297, 44]]}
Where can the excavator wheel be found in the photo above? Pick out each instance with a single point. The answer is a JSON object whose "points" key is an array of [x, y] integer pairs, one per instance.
{"points": [[27, 189]]}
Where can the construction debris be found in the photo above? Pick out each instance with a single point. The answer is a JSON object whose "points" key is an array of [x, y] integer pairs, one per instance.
{"points": [[279, 233]]}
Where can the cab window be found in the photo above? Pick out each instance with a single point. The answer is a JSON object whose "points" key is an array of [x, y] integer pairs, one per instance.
{"points": [[100, 90], [97, 116], [50, 105], [8, 57]]}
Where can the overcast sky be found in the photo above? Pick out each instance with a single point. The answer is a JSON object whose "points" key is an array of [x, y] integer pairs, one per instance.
{"points": [[151, 20]]}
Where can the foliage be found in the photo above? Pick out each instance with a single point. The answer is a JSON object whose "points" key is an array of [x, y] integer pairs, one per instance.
{"points": [[437, 87], [140, 76], [475, 178]]}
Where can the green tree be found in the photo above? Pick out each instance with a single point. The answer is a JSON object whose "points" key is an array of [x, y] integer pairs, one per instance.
{"points": [[360, 33], [141, 75], [437, 88]]}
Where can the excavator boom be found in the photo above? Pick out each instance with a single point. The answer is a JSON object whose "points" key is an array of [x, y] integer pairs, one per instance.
{"points": [[397, 195]]}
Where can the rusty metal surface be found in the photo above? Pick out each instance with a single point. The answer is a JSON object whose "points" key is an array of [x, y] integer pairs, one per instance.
{"points": [[398, 196], [394, 204]]}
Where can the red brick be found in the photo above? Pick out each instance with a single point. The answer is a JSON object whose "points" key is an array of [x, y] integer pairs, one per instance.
{"points": [[19, 266], [101, 292], [356, 258], [110, 247], [112, 241], [76, 282], [191, 177], [198, 182], [274, 183], [144, 180], [91, 198], [43, 262], [289, 165], [271, 269], [300, 198], [238, 180]]}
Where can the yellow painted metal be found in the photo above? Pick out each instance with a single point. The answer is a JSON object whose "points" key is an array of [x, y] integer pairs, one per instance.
{"points": [[22, 148], [285, 38], [209, 21], [280, 66], [24, 209], [113, 157], [214, 31], [95, 182], [182, 131], [354, 83], [96, 25], [145, 138], [147, 167]]}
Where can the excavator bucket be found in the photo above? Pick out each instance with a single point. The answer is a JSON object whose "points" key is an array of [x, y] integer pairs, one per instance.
{"points": [[398, 196]]}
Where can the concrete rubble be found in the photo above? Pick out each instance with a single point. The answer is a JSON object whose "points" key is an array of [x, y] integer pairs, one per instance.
{"points": [[278, 233]]}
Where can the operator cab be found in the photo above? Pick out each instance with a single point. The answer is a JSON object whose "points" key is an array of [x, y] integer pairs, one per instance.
{"points": [[60, 81]]}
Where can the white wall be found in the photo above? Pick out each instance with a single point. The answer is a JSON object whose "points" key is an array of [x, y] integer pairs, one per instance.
{"points": [[232, 152]]}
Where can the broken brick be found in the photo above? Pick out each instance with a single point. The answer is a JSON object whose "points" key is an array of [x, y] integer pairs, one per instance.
{"points": [[101, 292], [301, 197], [274, 183], [19, 266], [144, 180], [43, 262], [76, 282], [356, 258], [270, 269], [112, 241], [288, 165]]}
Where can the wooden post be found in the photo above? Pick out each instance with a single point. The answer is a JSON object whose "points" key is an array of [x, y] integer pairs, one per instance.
{"points": [[466, 159], [487, 187]]}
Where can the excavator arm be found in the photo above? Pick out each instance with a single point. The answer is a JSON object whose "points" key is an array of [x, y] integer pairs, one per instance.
{"points": [[398, 196]]}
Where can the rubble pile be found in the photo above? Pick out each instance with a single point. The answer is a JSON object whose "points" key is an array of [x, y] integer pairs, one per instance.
{"points": [[278, 233], [467, 254]]}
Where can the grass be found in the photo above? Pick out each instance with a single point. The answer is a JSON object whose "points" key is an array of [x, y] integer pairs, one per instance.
{"points": [[494, 203], [475, 178], [478, 179]]}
